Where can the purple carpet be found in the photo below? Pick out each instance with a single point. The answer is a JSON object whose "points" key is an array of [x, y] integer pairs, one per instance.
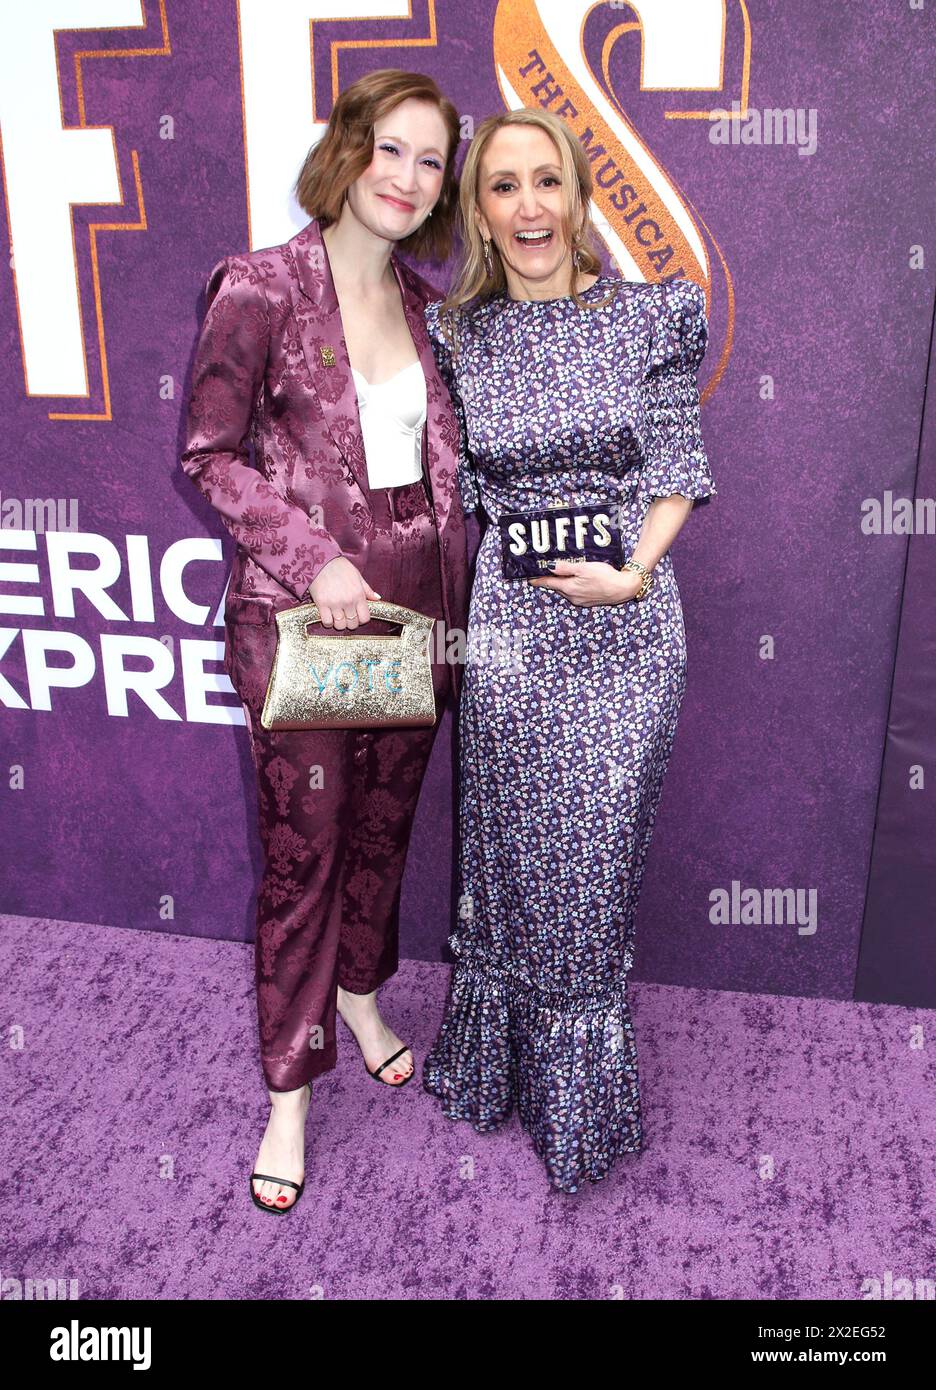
{"points": [[791, 1147]]}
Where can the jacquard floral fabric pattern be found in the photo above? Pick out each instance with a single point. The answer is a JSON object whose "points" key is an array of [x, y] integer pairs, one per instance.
{"points": [[274, 439], [274, 443], [567, 713], [229, 372]]}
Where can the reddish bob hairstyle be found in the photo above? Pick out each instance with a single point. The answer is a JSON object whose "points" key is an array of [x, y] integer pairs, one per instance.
{"points": [[347, 148]]}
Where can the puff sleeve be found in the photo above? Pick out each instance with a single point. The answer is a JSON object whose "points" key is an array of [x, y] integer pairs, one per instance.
{"points": [[227, 381], [465, 471], [675, 460]]}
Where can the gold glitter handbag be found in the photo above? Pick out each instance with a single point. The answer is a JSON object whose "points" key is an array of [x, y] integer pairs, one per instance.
{"points": [[350, 680]]}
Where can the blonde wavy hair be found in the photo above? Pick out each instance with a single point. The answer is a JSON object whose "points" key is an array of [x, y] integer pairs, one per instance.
{"points": [[472, 280]]}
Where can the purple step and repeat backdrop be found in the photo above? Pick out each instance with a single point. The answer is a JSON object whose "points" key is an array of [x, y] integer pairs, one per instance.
{"points": [[781, 154]]}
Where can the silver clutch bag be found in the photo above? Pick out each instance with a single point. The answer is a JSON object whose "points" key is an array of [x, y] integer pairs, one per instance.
{"points": [[350, 680]]}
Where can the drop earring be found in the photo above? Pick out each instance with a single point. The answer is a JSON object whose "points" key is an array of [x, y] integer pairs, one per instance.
{"points": [[488, 262]]}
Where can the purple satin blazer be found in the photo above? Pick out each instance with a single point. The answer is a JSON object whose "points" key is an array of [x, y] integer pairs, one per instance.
{"points": [[272, 366]]}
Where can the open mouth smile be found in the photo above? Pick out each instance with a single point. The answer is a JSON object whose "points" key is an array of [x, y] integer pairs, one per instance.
{"points": [[539, 236]]}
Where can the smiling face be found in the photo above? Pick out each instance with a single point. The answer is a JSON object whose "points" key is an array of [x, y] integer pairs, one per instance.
{"points": [[520, 205], [402, 183]]}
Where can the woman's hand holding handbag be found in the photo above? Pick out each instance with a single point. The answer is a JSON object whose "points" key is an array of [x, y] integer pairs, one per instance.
{"points": [[340, 592], [359, 680]]}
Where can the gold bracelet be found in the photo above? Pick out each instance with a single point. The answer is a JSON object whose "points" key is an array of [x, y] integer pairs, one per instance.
{"points": [[648, 577]]}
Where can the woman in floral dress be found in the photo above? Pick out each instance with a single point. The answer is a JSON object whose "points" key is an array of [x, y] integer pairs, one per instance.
{"points": [[570, 387]]}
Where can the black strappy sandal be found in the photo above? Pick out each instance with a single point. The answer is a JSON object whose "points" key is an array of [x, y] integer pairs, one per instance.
{"points": [[394, 1085], [283, 1182]]}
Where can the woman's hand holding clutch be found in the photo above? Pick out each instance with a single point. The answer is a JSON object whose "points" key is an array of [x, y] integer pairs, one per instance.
{"points": [[589, 582], [341, 593]]}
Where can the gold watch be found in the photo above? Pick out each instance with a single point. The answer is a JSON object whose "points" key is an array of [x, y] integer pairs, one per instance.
{"points": [[648, 577]]}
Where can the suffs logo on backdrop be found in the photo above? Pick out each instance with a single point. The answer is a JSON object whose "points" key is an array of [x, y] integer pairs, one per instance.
{"points": [[558, 57]]}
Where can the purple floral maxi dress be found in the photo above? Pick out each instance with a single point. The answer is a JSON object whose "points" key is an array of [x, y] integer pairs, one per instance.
{"points": [[567, 713]]}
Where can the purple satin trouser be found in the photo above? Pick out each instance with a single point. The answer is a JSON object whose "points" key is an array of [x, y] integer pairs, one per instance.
{"points": [[335, 840]]}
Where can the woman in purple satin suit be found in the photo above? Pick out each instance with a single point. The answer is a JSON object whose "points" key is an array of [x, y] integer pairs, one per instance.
{"points": [[350, 497], [571, 387]]}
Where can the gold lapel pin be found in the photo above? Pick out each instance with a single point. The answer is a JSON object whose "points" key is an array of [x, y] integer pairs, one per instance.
{"points": [[328, 356]]}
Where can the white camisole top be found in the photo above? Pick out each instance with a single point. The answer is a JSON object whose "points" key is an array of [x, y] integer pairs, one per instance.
{"points": [[393, 415]]}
